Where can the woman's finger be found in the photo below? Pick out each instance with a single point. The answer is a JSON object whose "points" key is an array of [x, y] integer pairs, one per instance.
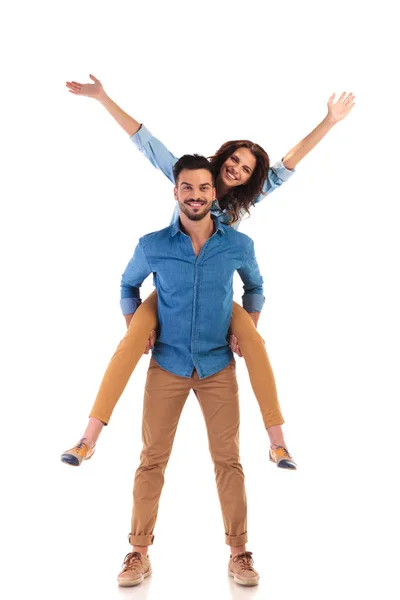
{"points": [[76, 88]]}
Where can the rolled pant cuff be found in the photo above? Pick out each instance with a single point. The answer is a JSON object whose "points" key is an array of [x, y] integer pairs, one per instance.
{"points": [[236, 540], [140, 540], [273, 422], [99, 417]]}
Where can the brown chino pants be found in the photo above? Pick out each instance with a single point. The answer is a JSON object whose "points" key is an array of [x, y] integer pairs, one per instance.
{"points": [[164, 398]]}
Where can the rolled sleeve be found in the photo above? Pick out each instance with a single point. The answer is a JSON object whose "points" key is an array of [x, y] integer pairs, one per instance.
{"points": [[130, 305], [253, 298], [141, 138], [253, 302], [281, 172], [155, 151], [277, 175], [135, 273]]}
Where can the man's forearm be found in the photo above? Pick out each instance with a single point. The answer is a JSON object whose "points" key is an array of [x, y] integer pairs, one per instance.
{"points": [[128, 123], [298, 152]]}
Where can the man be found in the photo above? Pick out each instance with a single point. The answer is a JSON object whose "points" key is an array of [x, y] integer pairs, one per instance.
{"points": [[193, 262]]}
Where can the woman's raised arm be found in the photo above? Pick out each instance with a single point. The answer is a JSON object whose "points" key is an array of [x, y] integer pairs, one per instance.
{"points": [[284, 169], [154, 150], [95, 90], [336, 112]]}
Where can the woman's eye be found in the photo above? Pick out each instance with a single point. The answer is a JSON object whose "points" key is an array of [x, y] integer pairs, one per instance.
{"points": [[234, 158]]}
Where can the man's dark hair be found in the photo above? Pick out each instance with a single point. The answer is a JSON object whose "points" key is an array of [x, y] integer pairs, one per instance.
{"points": [[193, 162]]}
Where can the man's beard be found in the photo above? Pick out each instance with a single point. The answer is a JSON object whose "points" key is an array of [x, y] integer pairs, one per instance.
{"points": [[194, 216]]}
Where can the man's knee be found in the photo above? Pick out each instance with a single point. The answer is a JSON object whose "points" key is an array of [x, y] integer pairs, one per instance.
{"points": [[223, 457], [151, 458]]}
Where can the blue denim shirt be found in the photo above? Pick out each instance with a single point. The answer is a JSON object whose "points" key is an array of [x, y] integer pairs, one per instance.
{"points": [[163, 159], [194, 294]]}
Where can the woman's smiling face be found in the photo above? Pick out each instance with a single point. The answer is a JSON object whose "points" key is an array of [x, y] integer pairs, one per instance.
{"points": [[238, 168]]}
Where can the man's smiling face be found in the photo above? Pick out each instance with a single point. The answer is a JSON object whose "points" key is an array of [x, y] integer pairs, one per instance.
{"points": [[195, 193]]}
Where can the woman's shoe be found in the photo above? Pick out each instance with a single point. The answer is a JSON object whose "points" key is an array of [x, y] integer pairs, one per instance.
{"points": [[281, 457], [77, 454]]}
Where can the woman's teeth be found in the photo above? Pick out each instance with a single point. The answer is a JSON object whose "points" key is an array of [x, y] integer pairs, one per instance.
{"points": [[230, 176]]}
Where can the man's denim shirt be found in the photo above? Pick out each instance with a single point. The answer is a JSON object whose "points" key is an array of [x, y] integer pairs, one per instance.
{"points": [[195, 294], [163, 159]]}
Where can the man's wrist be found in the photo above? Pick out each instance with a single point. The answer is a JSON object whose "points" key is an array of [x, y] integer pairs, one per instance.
{"points": [[128, 319], [254, 317]]}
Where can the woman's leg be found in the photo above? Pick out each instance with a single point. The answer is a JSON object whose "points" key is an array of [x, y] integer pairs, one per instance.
{"points": [[118, 372], [261, 375], [125, 359]]}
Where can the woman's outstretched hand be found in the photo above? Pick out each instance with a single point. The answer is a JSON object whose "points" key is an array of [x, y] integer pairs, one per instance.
{"points": [[340, 109], [91, 90]]}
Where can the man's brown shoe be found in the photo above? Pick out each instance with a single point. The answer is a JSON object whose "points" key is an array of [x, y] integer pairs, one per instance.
{"points": [[136, 567], [242, 570]]}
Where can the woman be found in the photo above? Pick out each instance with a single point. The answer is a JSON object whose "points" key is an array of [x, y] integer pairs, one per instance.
{"points": [[243, 178]]}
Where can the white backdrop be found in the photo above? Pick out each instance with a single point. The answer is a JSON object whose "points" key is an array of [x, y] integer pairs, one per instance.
{"points": [[76, 196]]}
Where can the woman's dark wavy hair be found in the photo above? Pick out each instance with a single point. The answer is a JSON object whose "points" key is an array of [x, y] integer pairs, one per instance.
{"points": [[242, 196]]}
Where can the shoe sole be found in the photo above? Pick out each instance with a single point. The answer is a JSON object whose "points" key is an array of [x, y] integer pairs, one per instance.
{"points": [[242, 581], [135, 582]]}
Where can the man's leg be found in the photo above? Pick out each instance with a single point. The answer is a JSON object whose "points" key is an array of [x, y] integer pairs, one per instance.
{"points": [[164, 398], [219, 401]]}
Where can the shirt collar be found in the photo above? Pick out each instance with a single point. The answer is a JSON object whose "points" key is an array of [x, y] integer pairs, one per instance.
{"points": [[175, 227], [216, 205]]}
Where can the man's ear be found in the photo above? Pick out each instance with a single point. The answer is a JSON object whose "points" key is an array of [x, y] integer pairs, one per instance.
{"points": [[176, 193], [214, 193]]}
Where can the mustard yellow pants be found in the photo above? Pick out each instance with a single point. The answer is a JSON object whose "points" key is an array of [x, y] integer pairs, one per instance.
{"points": [[132, 346]]}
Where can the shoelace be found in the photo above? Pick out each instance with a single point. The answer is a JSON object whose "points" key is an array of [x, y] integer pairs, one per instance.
{"points": [[131, 560], [79, 447], [285, 452], [245, 561]]}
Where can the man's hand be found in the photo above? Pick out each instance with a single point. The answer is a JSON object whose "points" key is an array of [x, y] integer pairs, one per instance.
{"points": [[339, 110], [150, 342], [91, 90], [234, 344]]}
